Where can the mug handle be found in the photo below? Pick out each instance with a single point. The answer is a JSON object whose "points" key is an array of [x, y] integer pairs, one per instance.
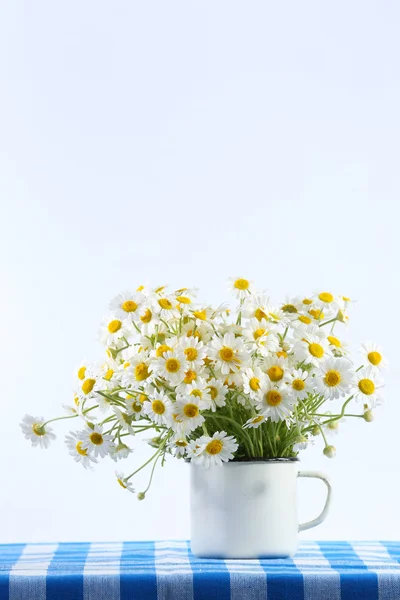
{"points": [[321, 517]]}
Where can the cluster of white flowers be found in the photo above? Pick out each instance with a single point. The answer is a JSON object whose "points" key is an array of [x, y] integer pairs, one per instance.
{"points": [[215, 384]]}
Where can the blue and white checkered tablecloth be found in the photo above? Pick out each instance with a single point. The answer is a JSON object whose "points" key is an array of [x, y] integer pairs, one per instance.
{"points": [[169, 571]]}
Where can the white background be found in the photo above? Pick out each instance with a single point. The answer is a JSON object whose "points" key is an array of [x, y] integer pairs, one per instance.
{"points": [[184, 142]]}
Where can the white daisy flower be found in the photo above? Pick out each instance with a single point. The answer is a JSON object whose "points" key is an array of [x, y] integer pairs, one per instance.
{"points": [[124, 420], [199, 389], [211, 451], [137, 368], [120, 451], [35, 430], [257, 306], [178, 445], [334, 378], [94, 440], [299, 382], [262, 336], [202, 331], [124, 482], [368, 385], [134, 405], [338, 347], [373, 355], [158, 408], [312, 350], [162, 348], [275, 367], [252, 379], [228, 353], [254, 422], [274, 401], [326, 301], [166, 307], [242, 288], [171, 366], [127, 305], [291, 307], [203, 315], [74, 444], [112, 330], [195, 352], [217, 392], [187, 409]]}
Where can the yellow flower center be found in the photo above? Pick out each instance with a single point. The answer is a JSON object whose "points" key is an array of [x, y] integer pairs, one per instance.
{"points": [[258, 419], [190, 376], [226, 354], [172, 365], [141, 372], [76, 400], [273, 397], [129, 306], [298, 385], [88, 385], [316, 350], [191, 353], [96, 438], [258, 333], [146, 316], [307, 301], [142, 398], [140, 288], [114, 326], [38, 429], [121, 483], [136, 407], [80, 450], [254, 384], [200, 314], [190, 410], [242, 284], [160, 289], [260, 314], [334, 341], [326, 297], [183, 299], [81, 373], [197, 393], [317, 314], [332, 378], [181, 443], [366, 386], [275, 373], [305, 320], [289, 308], [374, 358], [214, 447], [109, 374], [191, 333], [213, 392], [281, 354], [158, 407], [165, 303], [161, 349]]}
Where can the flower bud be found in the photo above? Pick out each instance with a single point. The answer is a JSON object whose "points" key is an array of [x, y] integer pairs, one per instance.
{"points": [[315, 430], [330, 451], [141, 496], [369, 416]]}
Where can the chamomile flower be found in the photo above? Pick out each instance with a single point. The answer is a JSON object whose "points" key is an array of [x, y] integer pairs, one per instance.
{"points": [[240, 287], [127, 305], [312, 350], [112, 331], [36, 431], [373, 355], [202, 315], [187, 409], [166, 306], [257, 307], [124, 420], [262, 335], [81, 455], [254, 422], [217, 393], [368, 385], [291, 306], [337, 346], [178, 445], [172, 366], [124, 482], [202, 331], [334, 377], [158, 408], [299, 382], [213, 451], [275, 367], [134, 405], [326, 301], [88, 386], [274, 401], [252, 379], [96, 442], [199, 389], [120, 451], [137, 368], [195, 352], [228, 353]]}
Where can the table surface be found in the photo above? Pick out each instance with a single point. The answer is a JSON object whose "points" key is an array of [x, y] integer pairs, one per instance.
{"points": [[167, 570]]}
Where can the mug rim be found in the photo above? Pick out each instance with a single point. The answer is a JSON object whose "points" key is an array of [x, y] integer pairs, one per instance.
{"points": [[257, 459]]}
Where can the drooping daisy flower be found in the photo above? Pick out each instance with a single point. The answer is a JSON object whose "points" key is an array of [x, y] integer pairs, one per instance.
{"points": [[373, 355], [187, 409], [94, 440], [228, 353], [120, 451], [254, 422], [124, 420], [172, 366], [36, 431], [158, 408], [334, 378], [124, 482], [299, 383], [127, 305], [81, 455], [178, 445], [274, 401], [368, 385], [215, 450], [240, 287]]}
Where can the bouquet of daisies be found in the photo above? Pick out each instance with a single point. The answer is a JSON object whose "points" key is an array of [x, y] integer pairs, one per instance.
{"points": [[214, 384]]}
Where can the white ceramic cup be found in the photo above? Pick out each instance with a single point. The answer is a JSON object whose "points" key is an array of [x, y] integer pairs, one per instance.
{"points": [[248, 509]]}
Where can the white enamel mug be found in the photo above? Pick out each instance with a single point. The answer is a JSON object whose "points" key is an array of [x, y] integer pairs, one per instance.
{"points": [[248, 509]]}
